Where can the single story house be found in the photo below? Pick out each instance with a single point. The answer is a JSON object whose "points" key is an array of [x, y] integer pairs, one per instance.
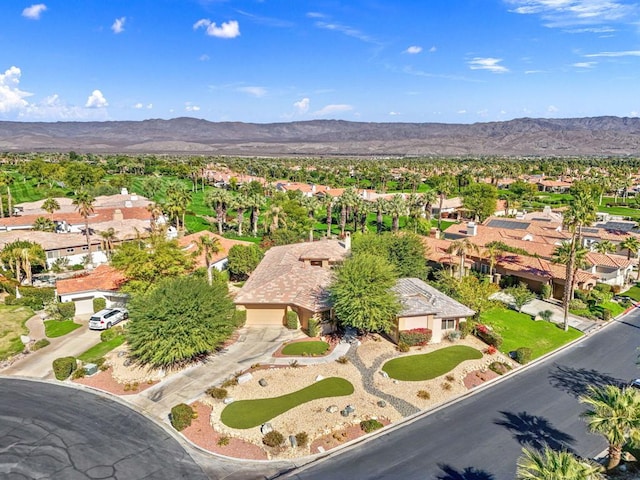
{"points": [[103, 282], [426, 307], [293, 278], [219, 260]]}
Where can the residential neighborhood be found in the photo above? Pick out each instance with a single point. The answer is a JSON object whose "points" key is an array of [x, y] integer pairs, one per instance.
{"points": [[366, 302]]}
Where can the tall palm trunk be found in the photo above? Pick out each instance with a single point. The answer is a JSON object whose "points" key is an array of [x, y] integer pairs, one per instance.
{"points": [[9, 202], [440, 212], [379, 221], [329, 218], [219, 214], [615, 455], [240, 220], [254, 221], [343, 219], [567, 296]]}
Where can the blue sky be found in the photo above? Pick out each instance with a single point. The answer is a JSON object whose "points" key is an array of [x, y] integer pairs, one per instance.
{"points": [[452, 61]]}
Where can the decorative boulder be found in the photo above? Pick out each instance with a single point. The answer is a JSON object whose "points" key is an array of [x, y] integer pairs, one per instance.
{"points": [[244, 378], [293, 441], [25, 339], [332, 409], [262, 382], [128, 362], [344, 413], [350, 408], [90, 368], [384, 374], [266, 428], [319, 377], [227, 400], [382, 403]]}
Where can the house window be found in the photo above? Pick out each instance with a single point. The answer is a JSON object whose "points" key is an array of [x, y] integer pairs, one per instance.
{"points": [[71, 250], [448, 323], [316, 263], [85, 248]]}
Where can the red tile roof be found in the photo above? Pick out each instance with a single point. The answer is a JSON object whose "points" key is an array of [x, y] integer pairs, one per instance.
{"points": [[188, 243], [104, 277]]}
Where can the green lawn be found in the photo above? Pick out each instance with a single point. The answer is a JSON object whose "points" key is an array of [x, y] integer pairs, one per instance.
{"points": [[101, 349], [12, 320], [518, 330], [251, 413], [310, 348], [416, 368], [633, 293], [59, 328]]}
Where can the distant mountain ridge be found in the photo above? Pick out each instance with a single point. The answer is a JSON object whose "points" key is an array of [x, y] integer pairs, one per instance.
{"points": [[591, 136]]}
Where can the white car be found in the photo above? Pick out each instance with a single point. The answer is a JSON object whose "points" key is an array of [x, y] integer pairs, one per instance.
{"points": [[107, 318]]}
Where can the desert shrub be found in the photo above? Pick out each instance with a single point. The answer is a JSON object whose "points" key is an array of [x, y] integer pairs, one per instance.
{"points": [[302, 439], [273, 439], [467, 327], [545, 315], [371, 425], [111, 333], [523, 355], [488, 336], [43, 342], [77, 267], [294, 364], [181, 416], [615, 289], [313, 327], [625, 302], [78, 373], [217, 392], [446, 386], [602, 287], [292, 320], [35, 298], [403, 347], [239, 318], [67, 310], [454, 335], [231, 382], [10, 299], [223, 441], [63, 367], [577, 304], [499, 367], [545, 291], [416, 336], [423, 394], [342, 359], [606, 314], [449, 378], [98, 304]]}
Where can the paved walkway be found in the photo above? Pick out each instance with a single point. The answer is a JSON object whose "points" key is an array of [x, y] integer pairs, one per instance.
{"points": [[38, 364]]}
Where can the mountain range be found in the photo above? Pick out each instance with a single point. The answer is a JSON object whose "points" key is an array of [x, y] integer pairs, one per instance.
{"points": [[590, 136]]}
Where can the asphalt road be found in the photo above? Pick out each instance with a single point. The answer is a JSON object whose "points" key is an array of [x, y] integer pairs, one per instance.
{"points": [[49, 431], [481, 437]]}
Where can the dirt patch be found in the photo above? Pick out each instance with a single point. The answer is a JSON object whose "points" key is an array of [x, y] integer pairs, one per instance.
{"points": [[478, 377], [104, 381], [332, 345], [340, 437], [202, 434]]}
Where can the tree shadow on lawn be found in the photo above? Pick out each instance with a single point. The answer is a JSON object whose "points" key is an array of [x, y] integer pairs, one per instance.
{"points": [[469, 473], [575, 381], [534, 431]]}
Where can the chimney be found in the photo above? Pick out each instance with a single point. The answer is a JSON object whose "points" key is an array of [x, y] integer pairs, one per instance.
{"points": [[347, 241], [117, 215], [124, 191], [313, 189], [472, 229]]}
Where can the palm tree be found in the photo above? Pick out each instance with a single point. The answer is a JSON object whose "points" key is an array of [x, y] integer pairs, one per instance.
{"points": [[604, 247], [328, 202], [219, 200], [444, 187], [461, 248], [429, 197], [84, 205], [209, 246], [31, 255], [43, 224], [240, 203], [614, 413], [552, 465], [255, 200], [108, 237], [492, 251], [632, 244], [156, 211], [396, 207], [50, 205], [569, 255], [416, 204], [275, 217], [311, 205], [178, 199], [380, 207], [346, 201]]}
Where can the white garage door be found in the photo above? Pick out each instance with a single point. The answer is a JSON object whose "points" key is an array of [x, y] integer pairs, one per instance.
{"points": [[84, 305]]}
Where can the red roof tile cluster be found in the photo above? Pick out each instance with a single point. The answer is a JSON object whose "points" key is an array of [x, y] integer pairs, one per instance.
{"points": [[103, 278]]}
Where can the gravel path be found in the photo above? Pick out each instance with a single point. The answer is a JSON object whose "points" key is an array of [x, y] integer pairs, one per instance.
{"points": [[403, 407]]}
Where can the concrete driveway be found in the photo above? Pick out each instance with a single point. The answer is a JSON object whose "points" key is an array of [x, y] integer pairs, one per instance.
{"points": [[38, 364]]}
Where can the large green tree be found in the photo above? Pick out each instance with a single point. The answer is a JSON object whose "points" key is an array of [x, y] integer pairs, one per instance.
{"points": [[243, 259], [361, 293], [181, 321], [146, 262], [553, 465], [21, 256], [84, 205], [480, 200], [404, 251]]}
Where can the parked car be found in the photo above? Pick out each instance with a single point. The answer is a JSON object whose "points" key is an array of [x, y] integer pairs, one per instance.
{"points": [[635, 383], [107, 318]]}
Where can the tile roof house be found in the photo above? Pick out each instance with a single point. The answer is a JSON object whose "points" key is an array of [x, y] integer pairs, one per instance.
{"points": [[293, 277], [426, 307], [103, 282], [219, 259]]}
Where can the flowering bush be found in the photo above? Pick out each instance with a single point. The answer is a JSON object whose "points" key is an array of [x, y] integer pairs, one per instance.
{"points": [[482, 329], [417, 336], [491, 350], [488, 336]]}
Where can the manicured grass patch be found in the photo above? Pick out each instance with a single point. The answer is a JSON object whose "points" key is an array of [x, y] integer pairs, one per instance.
{"points": [[59, 328], [313, 347], [416, 368], [101, 349], [12, 320], [615, 308], [518, 330], [251, 413], [633, 293]]}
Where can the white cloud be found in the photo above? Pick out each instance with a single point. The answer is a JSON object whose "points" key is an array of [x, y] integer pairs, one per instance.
{"points": [[11, 97], [255, 91], [204, 57], [346, 30], [432, 49], [462, 112], [118, 25], [316, 15], [566, 13], [33, 12], [413, 49], [394, 114], [138, 106], [552, 109], [584, 64], [230, 29], [302, 106], [633, 113], [96, 100], [491, 64], [190, 107], [626, 53], [331, 109]]}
